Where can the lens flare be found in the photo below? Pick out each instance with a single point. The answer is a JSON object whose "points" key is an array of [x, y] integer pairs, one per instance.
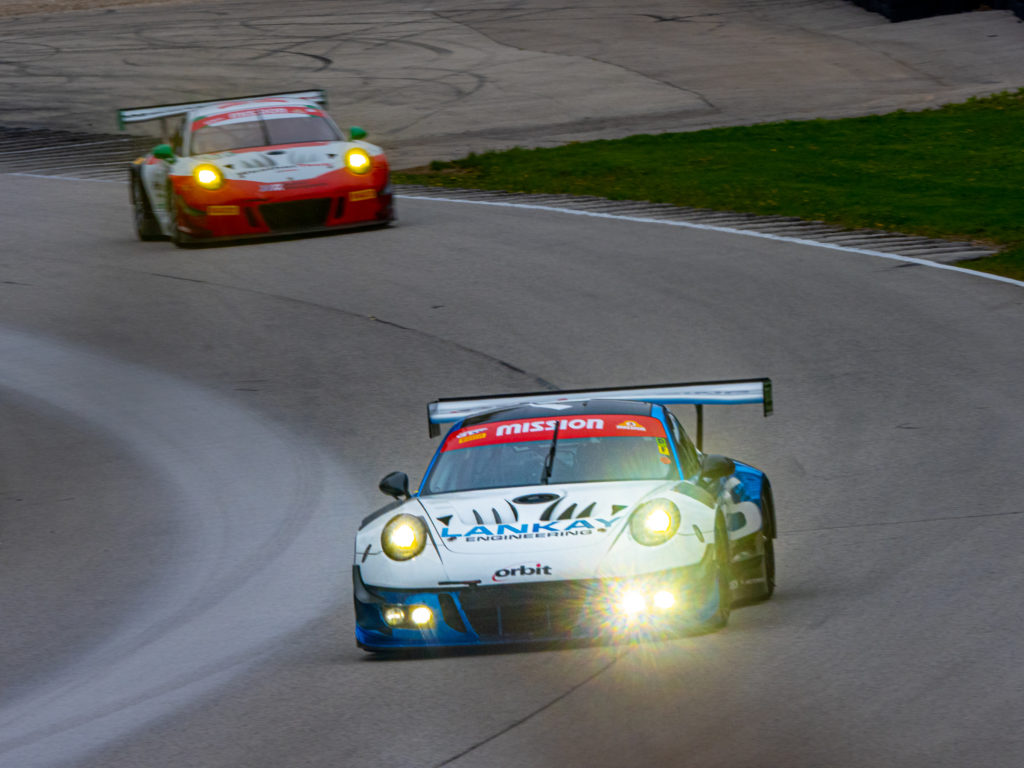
{"points": [[664, 600], [633, 602]]}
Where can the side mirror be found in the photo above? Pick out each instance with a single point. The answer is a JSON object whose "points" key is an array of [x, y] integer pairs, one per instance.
{"points": [[715, 468], [164, 152], [355, 133], [396, 484]]}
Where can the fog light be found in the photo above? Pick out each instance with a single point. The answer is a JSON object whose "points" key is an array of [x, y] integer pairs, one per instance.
{"points": [[633, 602], [664, 600], [394, 615], [421, 615]]}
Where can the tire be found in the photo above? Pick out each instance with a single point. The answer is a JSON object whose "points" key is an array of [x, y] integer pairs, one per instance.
{"points": [[178, 237], [723, 577], [764, 590], [146, 226]]}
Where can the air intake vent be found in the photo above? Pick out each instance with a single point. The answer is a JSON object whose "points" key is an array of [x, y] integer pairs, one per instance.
{"points": [[296, 214]]}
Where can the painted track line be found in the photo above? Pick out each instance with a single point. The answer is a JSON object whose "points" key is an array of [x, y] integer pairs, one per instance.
{"points": [[657, 220], [727, 230]]}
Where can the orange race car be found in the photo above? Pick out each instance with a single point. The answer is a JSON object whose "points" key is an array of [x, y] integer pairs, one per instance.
{"points": [[255, 166]]}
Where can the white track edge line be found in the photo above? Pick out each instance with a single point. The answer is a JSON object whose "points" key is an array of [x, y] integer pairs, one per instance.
{"points": [[641, 220], [732, 231]]}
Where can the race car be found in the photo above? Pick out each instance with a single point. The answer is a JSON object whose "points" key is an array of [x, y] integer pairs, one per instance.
{"points": [[255, 166], [552, 516]]}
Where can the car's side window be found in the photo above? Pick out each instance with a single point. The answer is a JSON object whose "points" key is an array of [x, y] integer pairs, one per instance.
{"points": [[687, 452]]}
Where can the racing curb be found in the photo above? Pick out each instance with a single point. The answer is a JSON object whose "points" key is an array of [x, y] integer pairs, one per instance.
{"points": [[778, 227], [104, 158]]}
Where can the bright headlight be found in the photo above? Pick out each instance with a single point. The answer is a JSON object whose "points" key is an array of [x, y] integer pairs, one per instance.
{"points": [[357, 161], [633, 602], [208, 176], [421, 615], [403, 537], [655, 522]]}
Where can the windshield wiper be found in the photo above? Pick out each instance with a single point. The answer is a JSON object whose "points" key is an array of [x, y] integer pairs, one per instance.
{"points": [[549, 462]]}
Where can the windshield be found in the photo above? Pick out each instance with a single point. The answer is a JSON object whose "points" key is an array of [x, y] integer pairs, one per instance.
{"points": [[259, 128], [514, 453]]}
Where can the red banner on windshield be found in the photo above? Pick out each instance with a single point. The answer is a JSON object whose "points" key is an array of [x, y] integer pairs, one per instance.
{"points": [[252, 113], [525, 430]]}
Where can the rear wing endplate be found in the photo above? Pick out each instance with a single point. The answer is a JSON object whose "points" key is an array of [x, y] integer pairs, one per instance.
{"points": [[161, 111], [698, 394]]}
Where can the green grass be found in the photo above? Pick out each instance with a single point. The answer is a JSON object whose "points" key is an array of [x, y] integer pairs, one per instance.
{"points": [[955, 172]]}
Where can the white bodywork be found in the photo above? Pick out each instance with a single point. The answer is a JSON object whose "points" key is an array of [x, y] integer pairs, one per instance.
{"points": [[269, 171], [477, 538]]}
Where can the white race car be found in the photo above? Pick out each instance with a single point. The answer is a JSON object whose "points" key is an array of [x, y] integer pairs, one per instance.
{"points": [[561, 515]]}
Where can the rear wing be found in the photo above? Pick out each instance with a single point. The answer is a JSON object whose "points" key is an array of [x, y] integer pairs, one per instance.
{"points": [[698, 394], [163, 111]]}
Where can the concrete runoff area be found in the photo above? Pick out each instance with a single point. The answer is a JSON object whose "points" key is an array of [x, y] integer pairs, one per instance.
{"points": [[439, 80]]}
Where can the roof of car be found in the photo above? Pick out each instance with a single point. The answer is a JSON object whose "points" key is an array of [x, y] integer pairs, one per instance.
{"points": [[573, 408], [240, 105]]}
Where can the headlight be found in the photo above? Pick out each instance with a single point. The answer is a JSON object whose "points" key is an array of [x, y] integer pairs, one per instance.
{"points": [[654, 522], [208, 176], [408, 617], [357, 161], [403, 537]]}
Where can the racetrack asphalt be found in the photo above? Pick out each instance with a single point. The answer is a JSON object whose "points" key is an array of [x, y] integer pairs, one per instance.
{"points": [[194, 436]]}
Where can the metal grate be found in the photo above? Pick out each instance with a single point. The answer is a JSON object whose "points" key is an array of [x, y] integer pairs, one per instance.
{"points": [[550, 609], [296, 214]]}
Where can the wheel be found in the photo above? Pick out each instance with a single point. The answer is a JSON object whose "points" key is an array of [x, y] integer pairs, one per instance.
{"points": [[723, 577], [762, 590], [146, 225], [178, 237]]}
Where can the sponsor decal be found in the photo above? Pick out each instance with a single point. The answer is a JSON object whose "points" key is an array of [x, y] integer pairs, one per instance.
{"points": [[521, 570], [244, 115], [663, 448], [631, 426], [362, 194], [222, 210], [271, 187], [517, 531], [598, 425], [468, 435], [548, 425]]}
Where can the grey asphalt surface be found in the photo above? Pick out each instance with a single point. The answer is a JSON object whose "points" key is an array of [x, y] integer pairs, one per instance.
{"points": [[193, 437], [437, 80]]}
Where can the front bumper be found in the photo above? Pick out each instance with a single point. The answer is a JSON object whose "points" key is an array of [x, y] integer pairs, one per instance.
{"points": [[235, 211], [549, 611]]}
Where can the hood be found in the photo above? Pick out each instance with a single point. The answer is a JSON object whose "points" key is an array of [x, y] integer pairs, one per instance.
{"points": [[280, 164], [536, 533], [535, 518]]}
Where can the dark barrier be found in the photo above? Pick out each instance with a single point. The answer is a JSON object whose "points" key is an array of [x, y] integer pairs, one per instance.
{"points": [[905, 10]]}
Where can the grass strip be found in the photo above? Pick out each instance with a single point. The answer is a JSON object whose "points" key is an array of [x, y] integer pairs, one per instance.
{"points": [[954, 172]]}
